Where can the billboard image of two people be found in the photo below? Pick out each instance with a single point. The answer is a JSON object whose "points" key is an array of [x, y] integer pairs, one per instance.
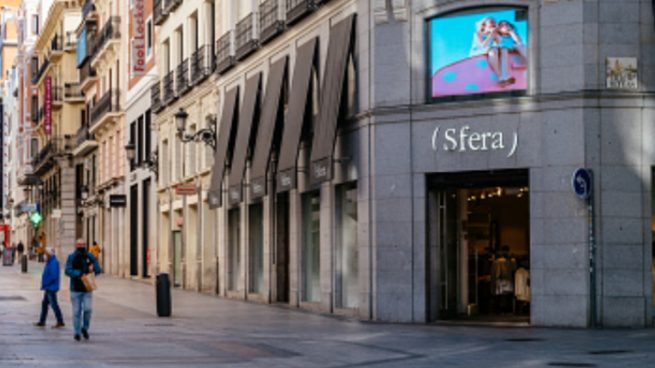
{"points": [[479, 51]]}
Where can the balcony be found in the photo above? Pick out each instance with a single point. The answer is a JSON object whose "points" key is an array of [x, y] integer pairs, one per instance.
{"points": [[298, 9], [160, 14], [73, 92], [45, 159], [41, 114], [155, 98], [36, 78], [246, 41], [57, 97], [171, 5], [169, 87], [87, 75], [107, 108], [182, 74], [202, 64], [34, 114], [88, 9], [224, 57], [269, 23], [70, 43], [85, 142], [56, 49], [108, 39]]}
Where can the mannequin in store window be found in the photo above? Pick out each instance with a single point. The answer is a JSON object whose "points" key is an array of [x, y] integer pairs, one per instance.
{"points": [[502, 280]]}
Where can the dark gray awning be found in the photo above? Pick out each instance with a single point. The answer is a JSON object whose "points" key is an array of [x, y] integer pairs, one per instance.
{"points": [[225, 141], [245, 134], [325, 129], [286, 168], [267, 125]]}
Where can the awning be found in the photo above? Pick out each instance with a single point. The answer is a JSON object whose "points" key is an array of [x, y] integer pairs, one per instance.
{"points": [[267, 126], [286, 168], [244, 138], [225, 141], [325, 129]]}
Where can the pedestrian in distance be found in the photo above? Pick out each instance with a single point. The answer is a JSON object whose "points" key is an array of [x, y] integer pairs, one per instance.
{"points": [[80, 263], [95, 249], [50, 281], [20, 248]]}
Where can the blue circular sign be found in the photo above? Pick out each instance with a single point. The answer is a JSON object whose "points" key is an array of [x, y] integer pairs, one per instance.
{"points": [[582, 183]]}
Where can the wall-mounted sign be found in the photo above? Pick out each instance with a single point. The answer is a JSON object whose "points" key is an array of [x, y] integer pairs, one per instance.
{"points": [[582, 183], [464, 139], [47, 107], [186, 189], [478, 51], [117, 200], [622, 73], [138, 39]]}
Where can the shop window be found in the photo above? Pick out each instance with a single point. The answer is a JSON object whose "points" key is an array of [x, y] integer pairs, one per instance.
{"points": [[311, 260], [347, 251], [256, 248], [483, 51], [234, 250]]}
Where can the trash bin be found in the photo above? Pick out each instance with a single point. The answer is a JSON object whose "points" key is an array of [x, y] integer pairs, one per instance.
{"points": [[163, 291], [23, 263]]}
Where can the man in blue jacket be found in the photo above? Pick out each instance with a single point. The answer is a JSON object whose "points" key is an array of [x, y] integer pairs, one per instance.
{"points": [[79, 263], [50, 285]]}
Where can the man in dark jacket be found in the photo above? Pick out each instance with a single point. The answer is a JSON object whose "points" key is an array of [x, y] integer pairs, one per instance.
{"points": [[50, 286], [79, 263]]}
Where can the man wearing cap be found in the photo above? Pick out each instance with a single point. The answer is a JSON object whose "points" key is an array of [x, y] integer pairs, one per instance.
{"points": [[79, 263], [50, 285]]}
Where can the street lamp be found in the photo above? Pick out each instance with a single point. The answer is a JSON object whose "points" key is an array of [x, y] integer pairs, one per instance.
{"points": [[84, 193], [206, 135], [151, 163]]}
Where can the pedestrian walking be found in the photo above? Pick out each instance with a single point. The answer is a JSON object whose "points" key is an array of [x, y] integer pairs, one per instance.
{"points": [[50, 281], [95, 249], [20, 248], [79, 264]]}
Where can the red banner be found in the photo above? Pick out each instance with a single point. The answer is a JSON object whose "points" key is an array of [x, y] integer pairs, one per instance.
{"points": [[138, 39], [47, 107]]}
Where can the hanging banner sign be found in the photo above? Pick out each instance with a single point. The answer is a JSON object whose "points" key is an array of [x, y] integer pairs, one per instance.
{"points": [[138, 39], [47, 108]]}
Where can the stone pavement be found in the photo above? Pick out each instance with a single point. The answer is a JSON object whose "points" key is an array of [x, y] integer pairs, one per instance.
{"points": [[206, 331]]}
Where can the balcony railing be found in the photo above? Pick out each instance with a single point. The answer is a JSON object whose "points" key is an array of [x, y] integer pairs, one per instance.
{"points": [[169, 87], [71, 40], [155, 97], [110, 31], [73, 91], [56, 45], [88, 8], [34, 114], [269, 23], [87, 72], [83, 135], [171, 5], [160, 14], [57, 94], [182, 74], [109, 103], [297, 9], [56, 146], [42, 69], [224, 57], [246, 40], [202, 64]]}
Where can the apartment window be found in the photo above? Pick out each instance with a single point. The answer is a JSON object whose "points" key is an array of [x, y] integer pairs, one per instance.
{"points": [[166, 55], [164, 163], [311, 259], [193, 34], [179, 160], [140, 141], [192, 153], [180, 44], [148, 135], [149, 38], [133, 162]]}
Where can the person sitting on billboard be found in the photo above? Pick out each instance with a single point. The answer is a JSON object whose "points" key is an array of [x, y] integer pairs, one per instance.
{"points": [[484, 38], [508, 42]]}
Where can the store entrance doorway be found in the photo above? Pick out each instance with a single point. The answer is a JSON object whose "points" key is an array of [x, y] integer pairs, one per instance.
{"points": [[479, 246]]}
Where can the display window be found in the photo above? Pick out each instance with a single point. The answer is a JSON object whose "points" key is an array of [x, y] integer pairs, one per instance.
{"points": [[477, 52]]}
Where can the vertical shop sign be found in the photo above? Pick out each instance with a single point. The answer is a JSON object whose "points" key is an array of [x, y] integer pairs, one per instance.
{"points": [[47, 108], [139, 39]]}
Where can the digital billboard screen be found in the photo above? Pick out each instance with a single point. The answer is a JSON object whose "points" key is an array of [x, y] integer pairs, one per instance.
{"points": [[478, 51]]}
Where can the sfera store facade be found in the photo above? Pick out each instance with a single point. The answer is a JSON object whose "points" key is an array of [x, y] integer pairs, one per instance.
{"points": [[473, 151]]}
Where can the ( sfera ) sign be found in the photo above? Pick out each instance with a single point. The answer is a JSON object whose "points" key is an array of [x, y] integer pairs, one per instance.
{"points": [[465, 139]]}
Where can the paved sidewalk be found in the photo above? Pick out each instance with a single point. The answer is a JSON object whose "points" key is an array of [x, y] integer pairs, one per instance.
{"points": [[209, 332]]}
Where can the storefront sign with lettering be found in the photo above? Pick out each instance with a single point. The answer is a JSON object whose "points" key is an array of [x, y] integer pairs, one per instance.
{"points": [[465, 139]]}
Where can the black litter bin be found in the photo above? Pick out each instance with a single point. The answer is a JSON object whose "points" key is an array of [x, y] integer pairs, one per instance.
{"points": [[163, 290], [23, 263]]}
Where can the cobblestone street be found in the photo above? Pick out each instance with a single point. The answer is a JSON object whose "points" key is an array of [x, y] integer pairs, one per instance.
{"points": [[207, 331]]}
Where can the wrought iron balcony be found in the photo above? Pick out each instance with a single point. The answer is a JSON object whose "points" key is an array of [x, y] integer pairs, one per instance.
{"points": [[73, 92], [297, 9], [44, 66], [87, 73], [182, 73], [202, 64], [155, 97], [111, 31], [269, 23], [224, 57], [45, 158], [246, 41], [83, 135], [57, 96], [56, 49], [169, 87], [88, 8], [108, 104], [160, 14], [171, 5]]}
